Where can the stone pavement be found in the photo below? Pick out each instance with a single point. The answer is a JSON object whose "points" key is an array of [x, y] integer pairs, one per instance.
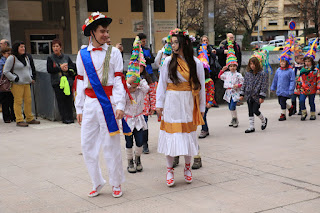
{"points": [[271, 171]]}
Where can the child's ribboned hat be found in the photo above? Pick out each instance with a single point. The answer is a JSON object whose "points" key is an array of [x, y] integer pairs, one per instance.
{"points": [[97, 18], [263, 58], [313, 50], [203, 56], [136, 60], [289, 49], [231, 56]]}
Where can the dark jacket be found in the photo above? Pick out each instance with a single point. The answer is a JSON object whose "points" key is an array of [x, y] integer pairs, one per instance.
{"points": [[53, 67], [149, 59], [223, 57], [255, 86], [213, 62]]}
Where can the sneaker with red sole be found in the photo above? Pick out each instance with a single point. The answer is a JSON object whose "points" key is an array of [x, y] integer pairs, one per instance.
{"points": [[116, 191]]}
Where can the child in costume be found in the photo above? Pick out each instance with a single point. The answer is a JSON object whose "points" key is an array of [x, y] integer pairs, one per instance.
{"points": [[100, 102], [284, 81], [210, 89], [309, 83], [255, 88], [134, 111], [298, 65], [210, 101], [180, 103], [233, 81]]}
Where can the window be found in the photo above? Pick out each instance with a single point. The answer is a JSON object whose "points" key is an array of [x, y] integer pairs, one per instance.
{"points": [[272, 23], [136, 5], [55, 10], [97, 5], [273, 9], [41, 44], [159, 6], [256, 28], [285, 22]]}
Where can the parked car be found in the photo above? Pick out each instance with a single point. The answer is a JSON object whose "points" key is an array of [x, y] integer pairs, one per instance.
{"points": [[311, 40], [257, 44], [278, 48], [275, 43]]}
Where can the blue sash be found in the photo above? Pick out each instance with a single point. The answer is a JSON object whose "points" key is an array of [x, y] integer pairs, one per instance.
{"points": [[102, 96]]}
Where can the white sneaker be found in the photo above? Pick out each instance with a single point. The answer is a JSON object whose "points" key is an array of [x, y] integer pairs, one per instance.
{"points": [[96, 192], [116, 191]]}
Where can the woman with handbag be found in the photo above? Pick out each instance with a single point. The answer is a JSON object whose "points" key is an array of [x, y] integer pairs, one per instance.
{"points": [[6, 97], [62, 71], [19, 68]]}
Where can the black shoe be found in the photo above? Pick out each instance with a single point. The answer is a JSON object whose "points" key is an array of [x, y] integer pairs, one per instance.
{"points": [[300, 113], [145, 149], [319, 113], [313, 117], [175, 161], [282, 117], [131, 168], [138, 164], [197, 164], [250, 130], [70, 121], [65, 121], [303, 117], [291, 111], [264, 126]]}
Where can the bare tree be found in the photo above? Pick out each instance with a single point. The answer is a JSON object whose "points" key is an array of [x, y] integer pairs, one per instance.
{"points": [[247, 13], [191, 14]]}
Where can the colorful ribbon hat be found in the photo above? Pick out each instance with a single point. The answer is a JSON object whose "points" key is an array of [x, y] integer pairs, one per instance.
{"points": [[97, 18]]}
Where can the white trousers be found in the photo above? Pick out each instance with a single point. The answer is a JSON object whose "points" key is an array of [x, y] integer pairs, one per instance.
{"points": [[94, 135]]}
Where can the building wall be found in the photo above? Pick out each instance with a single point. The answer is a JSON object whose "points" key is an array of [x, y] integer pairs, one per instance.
{"points": [[122, 26]]}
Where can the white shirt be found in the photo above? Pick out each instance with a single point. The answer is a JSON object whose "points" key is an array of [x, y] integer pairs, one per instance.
{"points": [[115, 65], [164, 80]]}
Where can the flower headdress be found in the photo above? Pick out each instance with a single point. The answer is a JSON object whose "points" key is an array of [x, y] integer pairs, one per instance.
{"points": [[95, 17]]}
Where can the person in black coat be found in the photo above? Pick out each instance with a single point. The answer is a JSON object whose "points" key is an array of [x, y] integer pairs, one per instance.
{"points": [[223, 50]]}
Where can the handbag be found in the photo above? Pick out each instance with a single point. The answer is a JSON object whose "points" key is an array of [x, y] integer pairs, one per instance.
{"points": [[5, 83]]}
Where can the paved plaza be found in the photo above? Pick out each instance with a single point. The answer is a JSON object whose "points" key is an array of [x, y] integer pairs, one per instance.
{"points": [[272, 171]]}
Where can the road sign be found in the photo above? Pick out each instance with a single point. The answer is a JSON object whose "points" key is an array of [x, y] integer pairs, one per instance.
{"points": [[292, 25]]}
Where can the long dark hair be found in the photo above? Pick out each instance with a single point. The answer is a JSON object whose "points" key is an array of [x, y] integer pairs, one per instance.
{"points": [[312, 61], [257, 64], [15, 47], [185, 44], [145, 75]]}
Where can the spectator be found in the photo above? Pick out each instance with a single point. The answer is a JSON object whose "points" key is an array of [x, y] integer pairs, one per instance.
{"points": [[62, 69], [22, 75], [159, 56], [4, 43], [148, 56], [223, 51], [6, 98]]}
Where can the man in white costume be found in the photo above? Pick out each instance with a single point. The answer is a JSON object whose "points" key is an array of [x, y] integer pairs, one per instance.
{"points": [[97, 130]]}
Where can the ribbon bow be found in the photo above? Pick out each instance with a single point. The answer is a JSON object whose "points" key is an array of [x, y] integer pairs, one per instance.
{"points": [[99, 48]]}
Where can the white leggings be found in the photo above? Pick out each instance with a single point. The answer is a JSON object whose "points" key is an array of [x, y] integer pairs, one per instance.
{"points": [[187, 160]]}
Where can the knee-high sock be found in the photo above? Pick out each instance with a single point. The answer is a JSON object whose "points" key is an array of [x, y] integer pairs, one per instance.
{"points": [[187, 159], [169, 161], [262, 118], [283, 111], [288, 106], [138, 151], [251, 122], [129, 153]]}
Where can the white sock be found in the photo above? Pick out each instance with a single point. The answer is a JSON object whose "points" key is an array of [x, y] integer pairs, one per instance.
{"points": [[251, 122], [129, 153], [235, 114], [288, 106], [263, 120], [169, 161], [283, 111], [187, 159], [138, 151]]}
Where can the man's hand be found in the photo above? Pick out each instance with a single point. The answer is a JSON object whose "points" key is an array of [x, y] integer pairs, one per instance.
{"points": [[119, 114], [226, 52], [131, 79], [202, 114], [208, 105], [241, 98], [159, 111], [214, 51], [261, 100], [79, 119]]}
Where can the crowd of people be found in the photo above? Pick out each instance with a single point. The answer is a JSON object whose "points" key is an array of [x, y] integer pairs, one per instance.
{"points": [[181, 94]]}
